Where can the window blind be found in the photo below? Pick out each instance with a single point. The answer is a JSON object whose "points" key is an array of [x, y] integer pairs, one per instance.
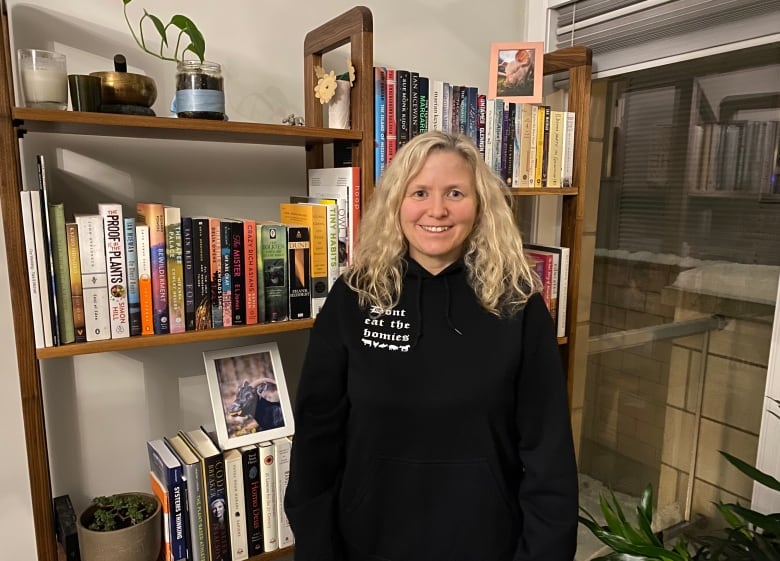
{"points": [[627, 35]]}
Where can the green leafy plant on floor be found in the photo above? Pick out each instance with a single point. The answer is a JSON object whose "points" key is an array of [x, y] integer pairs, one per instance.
{"points": [[115, 512], [186, 29], [749, 536]]}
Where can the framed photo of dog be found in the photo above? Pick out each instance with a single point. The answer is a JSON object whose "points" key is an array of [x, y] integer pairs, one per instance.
{"points": [[516, 72], [249, 396]]}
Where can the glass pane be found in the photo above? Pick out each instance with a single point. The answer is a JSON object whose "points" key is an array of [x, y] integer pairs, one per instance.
{"points": [[684, 284]]}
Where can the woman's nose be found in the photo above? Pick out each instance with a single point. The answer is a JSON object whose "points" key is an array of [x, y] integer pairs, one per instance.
{"points": [[438, 206]]}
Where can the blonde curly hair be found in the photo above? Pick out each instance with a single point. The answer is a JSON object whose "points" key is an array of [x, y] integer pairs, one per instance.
{"points": [[497, 268]]}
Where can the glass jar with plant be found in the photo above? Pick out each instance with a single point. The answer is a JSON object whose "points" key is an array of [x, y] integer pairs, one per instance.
{"points": [[199, 84]]}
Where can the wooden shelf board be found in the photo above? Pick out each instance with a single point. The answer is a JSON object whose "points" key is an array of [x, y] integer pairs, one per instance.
{"points": [[141, 342], [548, 191], [134, 126]]}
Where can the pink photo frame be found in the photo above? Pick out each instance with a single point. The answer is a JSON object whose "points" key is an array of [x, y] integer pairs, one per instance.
{"points": [[516, 71]]}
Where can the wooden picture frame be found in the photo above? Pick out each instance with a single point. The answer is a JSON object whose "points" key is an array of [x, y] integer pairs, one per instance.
{"points": [[516, 71], [249, 396]]}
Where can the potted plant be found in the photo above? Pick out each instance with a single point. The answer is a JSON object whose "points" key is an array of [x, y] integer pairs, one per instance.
{"points": [[121, 527], [199, 84], [749, 535]]}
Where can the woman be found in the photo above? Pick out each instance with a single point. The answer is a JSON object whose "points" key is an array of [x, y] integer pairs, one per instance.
{"points": [[431, 415]]}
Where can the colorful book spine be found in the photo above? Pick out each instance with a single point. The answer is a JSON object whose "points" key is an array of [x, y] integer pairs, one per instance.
{"points": [[299, 280], [481, 123], [145, 298], [424, 86], [250, 457], [153, 215], [215, 253], [340, 184], [159, 491], [167, 469], [234, 483], [391, 126], [188, 268], [268, 496], [94, 280], [226, 278], [133, 294], [174, 266], [238, 276], [380, 123], [197, 543], [250, 270], [282, 448], [314, 217], [114, 227], [43, 186], [76, 291], [403, 96], [414, 104], [32, 269], [202, 273], [272, 272], [568, 151], [61, 271]]}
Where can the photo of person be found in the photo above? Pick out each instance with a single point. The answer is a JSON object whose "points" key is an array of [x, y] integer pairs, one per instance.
{"points": [[516, 70], [218, 509], [248, 395]]}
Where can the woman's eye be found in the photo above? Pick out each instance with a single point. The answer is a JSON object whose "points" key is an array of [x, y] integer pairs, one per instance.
{"points": [[455, 194], [419, 194]]}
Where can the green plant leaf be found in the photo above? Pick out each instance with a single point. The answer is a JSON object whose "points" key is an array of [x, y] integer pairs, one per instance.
{"points": [[767, 523], [187, 26], [126, 2], [158, 25], [752, 472], [613, 520], [646, 503]]}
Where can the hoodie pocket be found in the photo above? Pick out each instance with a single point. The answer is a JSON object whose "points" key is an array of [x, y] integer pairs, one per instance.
{"points": [[409, 510]]}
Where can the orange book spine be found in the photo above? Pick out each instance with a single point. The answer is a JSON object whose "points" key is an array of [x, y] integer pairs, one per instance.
{"points": [[162, 496], [144, 279]]}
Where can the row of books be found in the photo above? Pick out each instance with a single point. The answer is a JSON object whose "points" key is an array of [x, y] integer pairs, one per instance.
{"points": [[107, 275], [551, 264], [220, 505], [407, 104], [740, 156], [527, 145]]}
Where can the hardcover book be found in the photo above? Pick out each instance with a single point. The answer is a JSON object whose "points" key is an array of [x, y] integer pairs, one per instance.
{"points": [[66, 528], [299, 273], [76, 292], [32, 269], [282, 447], [234, 479], [391, 126], [273, 294], [61, 271], [175, 269], [158, 490], [45, 286], [380, 123], [114, 227], [196, 509], [153, 215], [315, 218], [145, 298], [45, 240], [94, 280], [215, 253], [167, 469], [188, 269], [403, 94], [237, 274], [342, 184], [213, 472], [226, 267], [133, 295], [250, 270], [250, 456], [268, 496], [202, 272]]}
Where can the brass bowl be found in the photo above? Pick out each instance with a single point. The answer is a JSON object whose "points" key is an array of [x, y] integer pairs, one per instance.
{"points": [[126, 88]]}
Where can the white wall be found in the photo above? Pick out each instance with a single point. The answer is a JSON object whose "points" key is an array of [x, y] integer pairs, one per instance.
{"points": [[102, 408]]}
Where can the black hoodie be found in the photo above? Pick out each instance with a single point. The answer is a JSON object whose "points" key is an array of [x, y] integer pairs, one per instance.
{"points": [[434, 431]]}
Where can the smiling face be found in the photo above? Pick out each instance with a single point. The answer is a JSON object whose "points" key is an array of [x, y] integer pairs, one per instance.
{"points": [[438, 210]]}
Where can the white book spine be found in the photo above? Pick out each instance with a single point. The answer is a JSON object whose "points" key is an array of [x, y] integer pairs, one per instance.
{"points": [[116, 268], [490, 117], [44, 286], [282, 448], [234, 480], [32, 269], [437, 93], [268, 496], [446, 106], [568, 150], [334, 270], [94, 280], [563, 291]]}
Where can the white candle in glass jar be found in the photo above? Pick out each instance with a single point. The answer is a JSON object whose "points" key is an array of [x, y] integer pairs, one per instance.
{"points": [[43, 85], [43, 77]]}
